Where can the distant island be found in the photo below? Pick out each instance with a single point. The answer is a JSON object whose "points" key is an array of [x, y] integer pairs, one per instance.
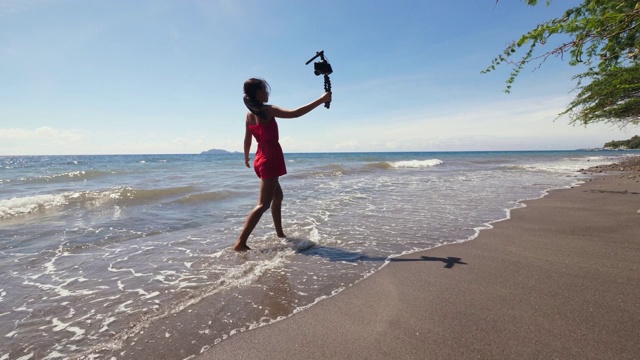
{"points": [[633, 143], [218, 152]]}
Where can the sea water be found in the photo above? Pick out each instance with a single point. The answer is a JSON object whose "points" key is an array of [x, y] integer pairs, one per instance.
{"points": [[96, 249]]}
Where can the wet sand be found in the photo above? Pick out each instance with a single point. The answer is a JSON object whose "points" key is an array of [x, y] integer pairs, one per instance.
{"points": [[559, 280]]}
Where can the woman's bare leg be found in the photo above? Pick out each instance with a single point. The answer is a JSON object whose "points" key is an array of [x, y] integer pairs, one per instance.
{"points": [[267, 190], [276, 210]]}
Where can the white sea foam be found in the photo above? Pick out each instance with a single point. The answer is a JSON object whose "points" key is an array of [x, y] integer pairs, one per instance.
{"points": [[18, 206], [569, 165], [26, 357], [28, 204], [416, 164], [59, 326]]}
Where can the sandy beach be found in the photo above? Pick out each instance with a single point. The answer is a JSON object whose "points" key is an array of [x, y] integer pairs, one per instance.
{"points": [[558, 280]]}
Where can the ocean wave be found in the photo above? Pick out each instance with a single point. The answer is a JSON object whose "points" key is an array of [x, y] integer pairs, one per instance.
{"points": [[121, 196], [205, 197], [74, 162], [569, 165], [496, 161], [340, 170], [379, 165], [130, 196], [29, 204], [80, 175], [514, 167], [322, 171], [416, 164], [591, 158]]}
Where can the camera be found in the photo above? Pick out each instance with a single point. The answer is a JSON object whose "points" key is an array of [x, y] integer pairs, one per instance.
{"points": [[322, 68]]}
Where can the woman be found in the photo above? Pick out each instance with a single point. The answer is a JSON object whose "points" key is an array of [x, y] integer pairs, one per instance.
{"points": [[269, 162]]}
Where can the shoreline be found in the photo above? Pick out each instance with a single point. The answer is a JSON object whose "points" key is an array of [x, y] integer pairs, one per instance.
{"points": [[556, 279]]}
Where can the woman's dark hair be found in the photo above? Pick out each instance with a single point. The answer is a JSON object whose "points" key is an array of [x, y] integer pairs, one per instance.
{"points": [[251, 87]]}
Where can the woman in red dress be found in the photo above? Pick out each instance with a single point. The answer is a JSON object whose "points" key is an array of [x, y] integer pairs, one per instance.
{"points": [[269, 162]]}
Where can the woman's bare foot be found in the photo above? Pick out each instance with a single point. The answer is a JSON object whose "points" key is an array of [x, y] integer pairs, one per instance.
{"points": [[241, 247], [281, 235]]}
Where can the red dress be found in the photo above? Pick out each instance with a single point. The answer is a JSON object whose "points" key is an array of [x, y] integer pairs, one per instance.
{"points": [[269, 161]]}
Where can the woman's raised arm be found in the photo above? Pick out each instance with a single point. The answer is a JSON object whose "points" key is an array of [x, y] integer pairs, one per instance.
{"points": [[290, 114]]}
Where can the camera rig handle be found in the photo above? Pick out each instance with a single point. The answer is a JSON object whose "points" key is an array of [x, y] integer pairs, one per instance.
{"points": [[327, 88], [325, 72]]}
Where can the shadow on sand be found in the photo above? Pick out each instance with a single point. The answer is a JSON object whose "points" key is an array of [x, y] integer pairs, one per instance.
{"points": [[336, 254]]}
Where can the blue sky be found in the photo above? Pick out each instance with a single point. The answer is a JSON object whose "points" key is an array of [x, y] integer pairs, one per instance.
{"points": [[165, 76]]}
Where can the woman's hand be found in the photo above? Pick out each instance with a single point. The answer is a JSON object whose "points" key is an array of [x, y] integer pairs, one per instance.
{"points": [[326, 97], [246, 162]]}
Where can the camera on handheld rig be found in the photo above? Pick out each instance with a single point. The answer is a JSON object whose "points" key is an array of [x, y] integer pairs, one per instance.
{"points": [[322, 67]]}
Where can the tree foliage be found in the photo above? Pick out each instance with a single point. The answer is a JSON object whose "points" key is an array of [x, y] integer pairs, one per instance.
{"points": [[604, 35], [633, 143], [612, 96]]}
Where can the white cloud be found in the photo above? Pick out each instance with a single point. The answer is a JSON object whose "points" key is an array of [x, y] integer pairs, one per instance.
{"points": [[9, 7], [47, 140], [505, 124], [41, 133], [42, 140]]}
